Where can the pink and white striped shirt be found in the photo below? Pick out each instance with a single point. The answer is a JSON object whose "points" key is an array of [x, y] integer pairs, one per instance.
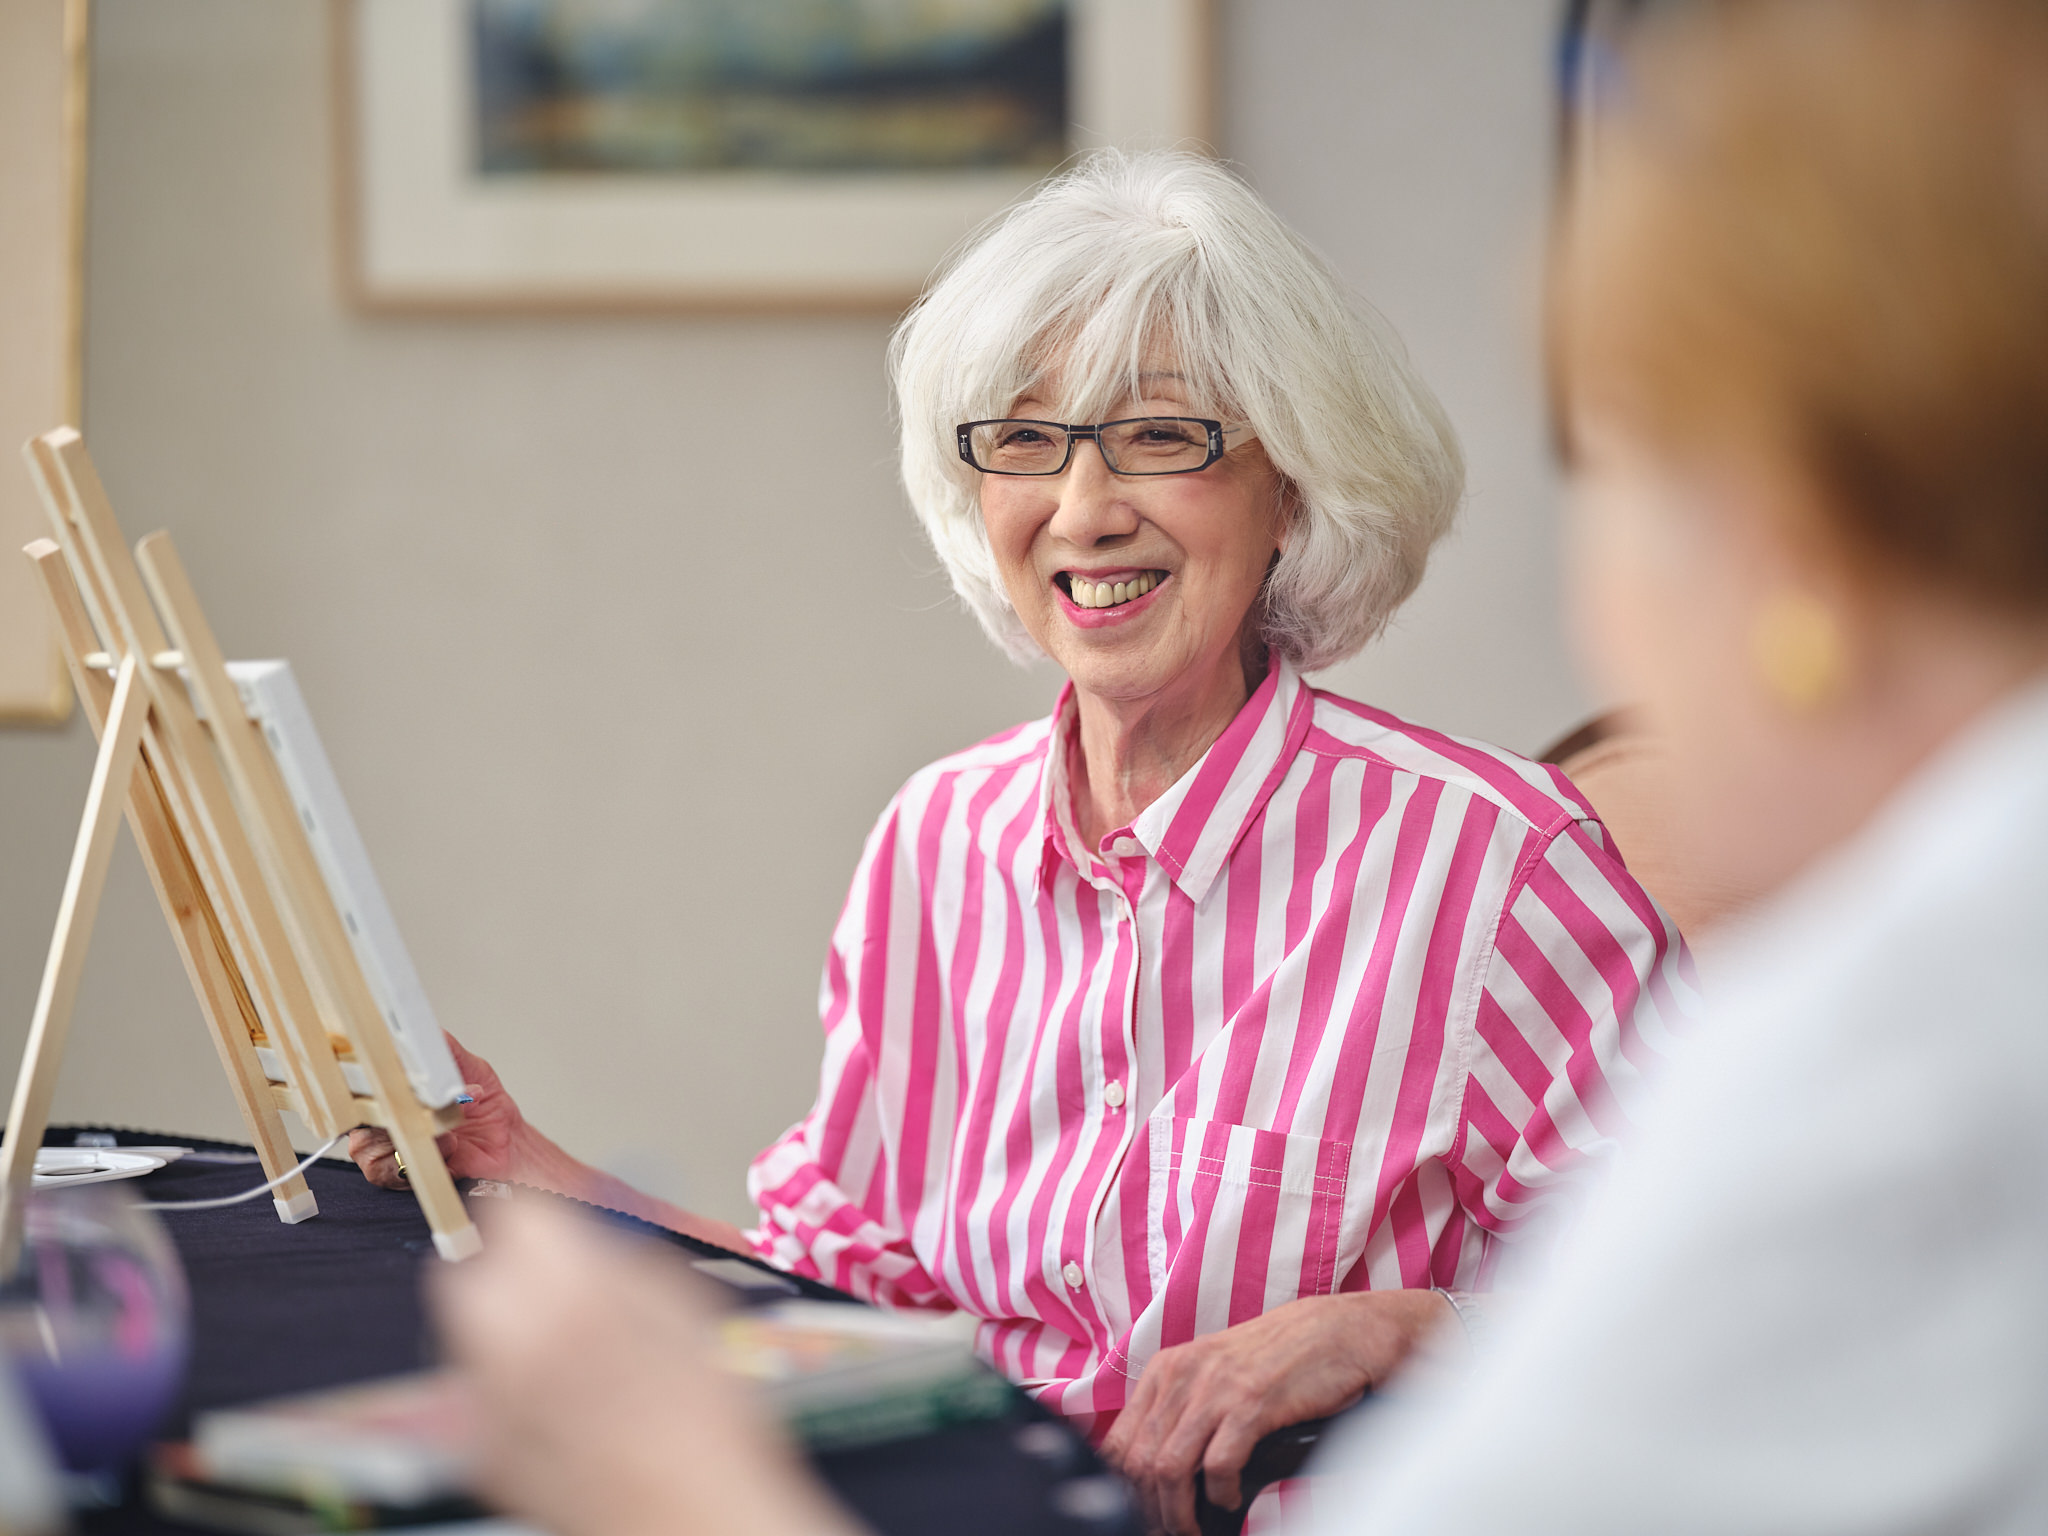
{"points": [[1336, 1012]]}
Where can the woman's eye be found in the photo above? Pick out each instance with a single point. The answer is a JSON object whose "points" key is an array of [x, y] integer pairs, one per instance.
{"points": [[1024, 437]]}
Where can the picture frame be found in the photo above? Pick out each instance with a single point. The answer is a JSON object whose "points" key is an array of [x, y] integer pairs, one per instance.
{"points": [[44, 72], [426, 225]]}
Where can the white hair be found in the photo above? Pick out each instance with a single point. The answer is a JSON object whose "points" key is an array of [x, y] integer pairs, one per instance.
{"points": [[1130, 257]]}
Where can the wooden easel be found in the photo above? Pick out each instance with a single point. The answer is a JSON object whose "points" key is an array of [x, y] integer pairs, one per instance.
{"points": [[254, 922]]}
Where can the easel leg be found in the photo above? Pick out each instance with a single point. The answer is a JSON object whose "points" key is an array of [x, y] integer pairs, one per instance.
{"points": [[412, 1133], [229, 1014], [120, 749]]}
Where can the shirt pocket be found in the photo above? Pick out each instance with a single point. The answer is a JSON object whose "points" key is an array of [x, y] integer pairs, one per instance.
{"points": [[1241, 1220]]}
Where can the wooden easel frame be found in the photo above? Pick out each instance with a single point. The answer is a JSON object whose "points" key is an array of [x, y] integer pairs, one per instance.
{"points": [[254, 923]]}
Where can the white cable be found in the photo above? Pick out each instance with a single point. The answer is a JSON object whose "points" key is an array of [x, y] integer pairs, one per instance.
{"points": [[247, 1194]]}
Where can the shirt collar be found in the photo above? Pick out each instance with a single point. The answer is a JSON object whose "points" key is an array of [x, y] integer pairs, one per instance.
{"points": [[1193, 828]]}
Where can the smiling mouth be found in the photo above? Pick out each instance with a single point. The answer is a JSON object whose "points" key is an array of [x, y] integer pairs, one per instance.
{"points": [[1107, 594]]}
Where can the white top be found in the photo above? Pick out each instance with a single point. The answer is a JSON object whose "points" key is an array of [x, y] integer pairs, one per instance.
{"points": [[1814, 1297]]}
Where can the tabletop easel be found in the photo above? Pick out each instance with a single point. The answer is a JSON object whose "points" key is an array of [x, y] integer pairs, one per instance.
{"points": [[239, 884]]}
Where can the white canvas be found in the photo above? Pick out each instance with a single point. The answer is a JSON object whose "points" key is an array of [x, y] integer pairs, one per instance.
{"points": [[271, 695]]}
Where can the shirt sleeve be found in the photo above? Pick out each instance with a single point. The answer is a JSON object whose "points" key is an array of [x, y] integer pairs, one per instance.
{"points": [[825, 1190], [1586, 988]]}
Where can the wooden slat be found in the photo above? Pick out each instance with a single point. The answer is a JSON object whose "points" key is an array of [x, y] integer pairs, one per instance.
{"points": [[209, 962], [120, 750]]}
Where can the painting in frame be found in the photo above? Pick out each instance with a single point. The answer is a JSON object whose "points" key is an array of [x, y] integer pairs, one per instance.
{"points": [[724, 153], [43, 71]]}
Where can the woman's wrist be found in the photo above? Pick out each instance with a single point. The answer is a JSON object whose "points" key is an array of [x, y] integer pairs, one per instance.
{"points": [[533, 1159], [1377, 1330], [1468, 1317], [538, 1161]]}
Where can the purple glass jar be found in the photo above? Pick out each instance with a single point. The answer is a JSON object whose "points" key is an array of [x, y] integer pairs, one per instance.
{"points": [[96, 1321]]}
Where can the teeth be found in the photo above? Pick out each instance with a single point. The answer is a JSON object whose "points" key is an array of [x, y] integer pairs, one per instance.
{"points": [[1107, 594]]}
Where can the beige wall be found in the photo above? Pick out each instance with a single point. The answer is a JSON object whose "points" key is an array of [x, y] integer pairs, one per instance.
{"points": [[38, 326], [615, 669]]}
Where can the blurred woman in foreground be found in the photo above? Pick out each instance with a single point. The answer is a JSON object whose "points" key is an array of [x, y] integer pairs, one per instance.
{"points": [[1801, 340], [1801, 346]]}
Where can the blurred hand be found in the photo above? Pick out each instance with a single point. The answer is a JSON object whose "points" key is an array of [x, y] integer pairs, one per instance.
{"points": [[1203, 1405], [600, 1409], [484, 1146]]}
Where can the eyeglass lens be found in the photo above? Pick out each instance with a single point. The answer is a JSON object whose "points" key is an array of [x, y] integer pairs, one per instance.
{"points": [[1156, 445]]}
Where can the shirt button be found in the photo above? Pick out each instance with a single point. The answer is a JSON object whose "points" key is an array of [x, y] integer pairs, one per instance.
{"points": [[1113, 1095], [1072, 1274], [1125, 847]]}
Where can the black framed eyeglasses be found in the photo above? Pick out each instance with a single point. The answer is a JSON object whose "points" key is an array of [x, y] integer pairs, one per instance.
{"points": [[1137, 445]]}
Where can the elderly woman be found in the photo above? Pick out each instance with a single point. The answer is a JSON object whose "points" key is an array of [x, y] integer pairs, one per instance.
{"points": [[1191, 1035]]}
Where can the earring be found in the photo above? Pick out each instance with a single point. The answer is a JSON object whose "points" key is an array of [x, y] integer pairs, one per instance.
{"points": [[1796, 646]]}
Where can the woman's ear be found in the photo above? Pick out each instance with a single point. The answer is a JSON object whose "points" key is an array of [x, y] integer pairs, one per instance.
{"points": [[1806, 622], [1287, 514]]}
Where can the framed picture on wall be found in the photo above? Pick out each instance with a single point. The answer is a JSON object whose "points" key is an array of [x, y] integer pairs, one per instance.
{"points": [[43, 64], [724, 153]]}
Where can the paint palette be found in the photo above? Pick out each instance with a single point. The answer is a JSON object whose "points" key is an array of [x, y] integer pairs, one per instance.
{"points": [[59, 1166]]}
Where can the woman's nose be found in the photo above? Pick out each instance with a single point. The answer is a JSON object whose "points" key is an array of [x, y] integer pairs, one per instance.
{"points": [[1093, 503]]}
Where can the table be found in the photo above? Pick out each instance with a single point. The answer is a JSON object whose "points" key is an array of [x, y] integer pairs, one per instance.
{"points": [[279, 1309]]}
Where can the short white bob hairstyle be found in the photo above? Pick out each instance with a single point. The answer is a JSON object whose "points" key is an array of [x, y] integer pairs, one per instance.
{"points": [[1129, 258]]}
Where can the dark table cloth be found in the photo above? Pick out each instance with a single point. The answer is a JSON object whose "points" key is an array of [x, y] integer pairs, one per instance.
{"points": [[278, 1309]]}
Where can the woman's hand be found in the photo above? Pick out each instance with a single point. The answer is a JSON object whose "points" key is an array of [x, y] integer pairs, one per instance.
{"points": [[1203, 1405], [485, 1146], [600, 1408], [495, 1142]]}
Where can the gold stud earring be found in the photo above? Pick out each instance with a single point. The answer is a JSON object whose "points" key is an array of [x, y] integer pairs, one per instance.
{"points": [[1796, 646]]}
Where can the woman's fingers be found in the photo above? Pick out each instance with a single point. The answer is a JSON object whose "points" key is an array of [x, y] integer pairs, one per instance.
{"points": [[1195, 1445], [1173, 1476], [1229, 1448], [1159, 1439], [1123, 1434], [1128, 1445], [483, 1146], [479, 1076], [366, 1143], [371, 1151], [1200, 1407]]}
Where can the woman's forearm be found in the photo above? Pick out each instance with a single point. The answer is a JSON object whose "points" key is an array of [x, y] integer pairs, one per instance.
{"points": [[538, 1161]]}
